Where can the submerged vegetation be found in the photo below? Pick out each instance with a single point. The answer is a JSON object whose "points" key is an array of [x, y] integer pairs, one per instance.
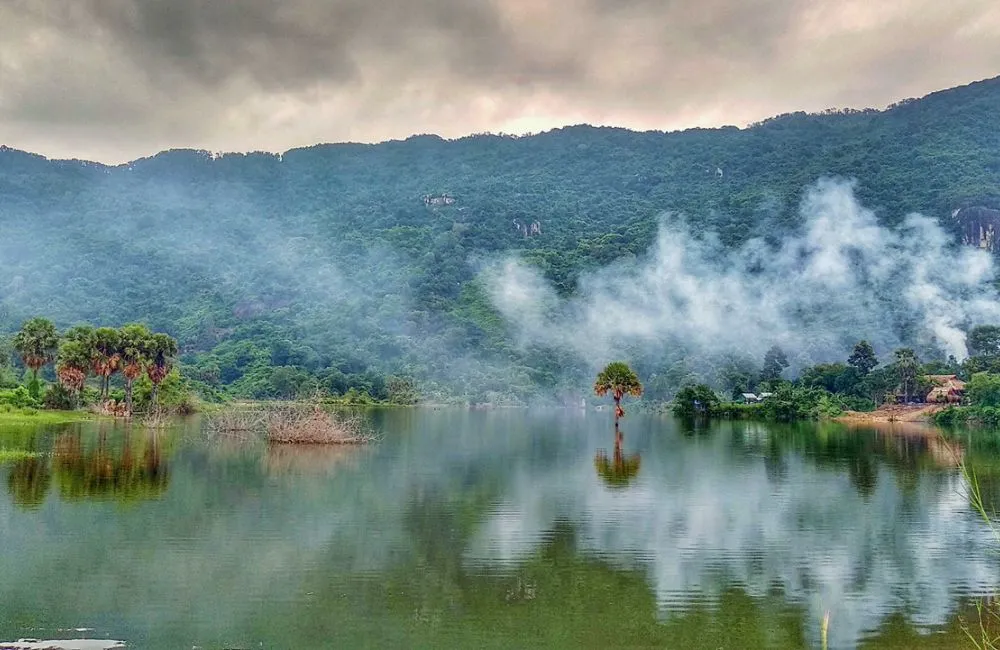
{"points": [[289, 424]]}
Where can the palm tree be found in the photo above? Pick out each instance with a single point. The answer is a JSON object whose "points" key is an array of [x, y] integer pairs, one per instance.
{"points": [[907, 368], [160, 352], [620, 380], [133, 340], [72, 365], [36, 344], [106, 356]]}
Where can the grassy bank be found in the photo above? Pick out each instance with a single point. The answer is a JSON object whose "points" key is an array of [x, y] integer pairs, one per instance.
{"points": [[36, 416]]}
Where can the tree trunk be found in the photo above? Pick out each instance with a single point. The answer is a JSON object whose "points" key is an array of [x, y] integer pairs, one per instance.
{"points": [[617, 411], [128, 397], [152, 397]]}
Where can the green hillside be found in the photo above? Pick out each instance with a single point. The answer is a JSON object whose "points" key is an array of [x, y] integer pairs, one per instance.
{"points": [[344, 265]]}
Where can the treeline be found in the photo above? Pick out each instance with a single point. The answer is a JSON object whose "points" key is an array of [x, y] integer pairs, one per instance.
{"points": [[860, 383], [133, 352]]}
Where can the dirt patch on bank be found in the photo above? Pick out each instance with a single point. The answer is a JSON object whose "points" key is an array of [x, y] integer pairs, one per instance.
{"points": [[892, 413]]}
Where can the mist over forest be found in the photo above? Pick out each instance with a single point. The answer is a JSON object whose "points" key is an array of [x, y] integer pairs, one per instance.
{"points": [[507, 268]]}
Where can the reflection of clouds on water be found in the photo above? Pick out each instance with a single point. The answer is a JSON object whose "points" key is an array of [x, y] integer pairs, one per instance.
{"points": [[700, 522]]}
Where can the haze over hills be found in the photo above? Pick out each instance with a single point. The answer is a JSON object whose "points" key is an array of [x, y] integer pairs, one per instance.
{"points": [[498, 266]]}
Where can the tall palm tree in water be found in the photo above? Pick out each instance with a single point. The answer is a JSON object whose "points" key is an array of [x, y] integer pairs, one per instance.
{"points": [[619, 380]]}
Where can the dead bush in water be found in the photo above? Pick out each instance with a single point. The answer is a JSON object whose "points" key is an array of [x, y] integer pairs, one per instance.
{"points": [[238, 423], [314, 427], [290, 424]]}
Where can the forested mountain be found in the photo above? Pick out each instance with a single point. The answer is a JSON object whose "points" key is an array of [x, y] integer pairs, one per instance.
{"points": [[342, 265]]}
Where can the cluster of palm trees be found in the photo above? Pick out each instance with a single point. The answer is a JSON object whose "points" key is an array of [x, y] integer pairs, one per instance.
{"points": [[103, 351]]}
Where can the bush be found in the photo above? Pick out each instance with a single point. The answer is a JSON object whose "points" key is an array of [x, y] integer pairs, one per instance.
{"points": [[172, 397], [695, 400], [737, 411], [18, 398], [984, 390], [58, 398], [987, 416]]}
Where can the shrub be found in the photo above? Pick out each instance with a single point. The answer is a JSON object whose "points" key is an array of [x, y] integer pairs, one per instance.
{"points": [[58, 398], [18, 398], [695, 400]]}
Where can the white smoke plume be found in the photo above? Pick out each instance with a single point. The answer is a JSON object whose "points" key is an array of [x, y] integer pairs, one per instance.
{"points": [[839, 278]]}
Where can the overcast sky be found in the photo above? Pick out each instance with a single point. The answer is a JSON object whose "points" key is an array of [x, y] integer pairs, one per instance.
{"points": [[112, 80]]}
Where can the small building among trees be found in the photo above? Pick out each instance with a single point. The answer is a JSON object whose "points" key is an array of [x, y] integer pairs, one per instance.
{"points": [[948, 389]]}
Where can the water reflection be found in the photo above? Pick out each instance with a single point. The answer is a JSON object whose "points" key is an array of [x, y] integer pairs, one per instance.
{"points": [[491, 529], [29, 481], [310, 460], [858, 523], [620, 470], [124, 472]]}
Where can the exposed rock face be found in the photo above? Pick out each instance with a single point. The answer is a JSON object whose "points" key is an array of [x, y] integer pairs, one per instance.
{"points": [[528, 229], [439, 199], [979, 226]]}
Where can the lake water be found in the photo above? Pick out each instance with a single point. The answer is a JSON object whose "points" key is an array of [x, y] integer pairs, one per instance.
{"points": [[494, 530]]}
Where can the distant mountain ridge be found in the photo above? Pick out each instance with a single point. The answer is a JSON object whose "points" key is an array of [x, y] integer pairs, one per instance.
{"points": [[339, 252]]}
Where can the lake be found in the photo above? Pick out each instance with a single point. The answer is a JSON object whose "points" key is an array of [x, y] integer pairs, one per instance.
{"points": [[464, 529]]}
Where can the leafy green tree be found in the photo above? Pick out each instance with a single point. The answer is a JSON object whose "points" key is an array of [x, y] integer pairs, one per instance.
{"points": [[983, 389], [834, 377], [775, 363], [984, 341], [863, 358], [694, 400], [133, 344], [37, 343], [161, 351], [907, 370], [7, 377], [879, 383], [106, 356], [402, 390], [619, 380]]}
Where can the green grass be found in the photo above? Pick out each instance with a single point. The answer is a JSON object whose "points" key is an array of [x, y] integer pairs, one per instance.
{"points": [[14, 455], [36, 416]]}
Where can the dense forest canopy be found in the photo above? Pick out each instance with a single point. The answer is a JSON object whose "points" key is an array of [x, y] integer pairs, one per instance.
{"points": [[352, 265]]}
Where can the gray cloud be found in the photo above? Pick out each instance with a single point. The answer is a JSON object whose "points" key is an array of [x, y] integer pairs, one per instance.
{"points": [[114, 79]]}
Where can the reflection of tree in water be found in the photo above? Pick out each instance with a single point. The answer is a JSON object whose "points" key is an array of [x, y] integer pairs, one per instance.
{"points": [[101, 473], [619, 470], [314, 460], [861, 451], [29, 482]]}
